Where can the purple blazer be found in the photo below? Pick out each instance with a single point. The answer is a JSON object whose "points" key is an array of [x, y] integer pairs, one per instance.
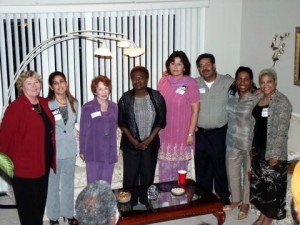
{"points": [[98, 132]]}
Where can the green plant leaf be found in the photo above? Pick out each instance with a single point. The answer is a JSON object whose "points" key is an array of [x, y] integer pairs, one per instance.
{"points": [[6, 165]]}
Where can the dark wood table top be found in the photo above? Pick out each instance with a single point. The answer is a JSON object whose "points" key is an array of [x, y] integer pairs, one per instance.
{"points": [[195, 201]]}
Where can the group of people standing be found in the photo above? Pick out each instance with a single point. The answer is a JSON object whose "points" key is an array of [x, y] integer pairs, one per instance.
{"points": [[241, 153], [249, 143], [256, 155]]}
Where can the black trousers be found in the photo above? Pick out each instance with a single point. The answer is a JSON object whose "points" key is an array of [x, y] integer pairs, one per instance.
{"points": [[139, 169], [210, 165], [31, 195]]}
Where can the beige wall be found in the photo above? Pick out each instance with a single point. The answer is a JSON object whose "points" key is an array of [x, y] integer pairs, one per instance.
{"points": [[239, 32], [260, 21], [223, 33], [293, 141]]}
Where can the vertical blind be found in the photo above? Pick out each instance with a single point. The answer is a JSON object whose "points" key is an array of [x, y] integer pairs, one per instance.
{"points": [[158, 31]]}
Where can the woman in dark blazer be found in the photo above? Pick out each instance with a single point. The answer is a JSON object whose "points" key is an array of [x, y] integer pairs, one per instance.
{"points": [[142, 114], [27, 136]]}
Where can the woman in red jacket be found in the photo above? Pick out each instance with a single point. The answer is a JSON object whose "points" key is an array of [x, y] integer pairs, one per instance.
{"points": [[27, 136]]}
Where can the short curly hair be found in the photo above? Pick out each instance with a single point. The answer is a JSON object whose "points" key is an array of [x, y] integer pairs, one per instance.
{"points": [[140, 69], [104, 79], [96, 204], [267, 72]]}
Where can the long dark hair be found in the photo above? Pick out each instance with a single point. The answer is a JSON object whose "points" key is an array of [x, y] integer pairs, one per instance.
{"points": [[51, 94], [233, 88]]}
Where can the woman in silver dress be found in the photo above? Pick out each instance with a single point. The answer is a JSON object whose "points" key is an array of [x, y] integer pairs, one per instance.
{"points": [[241, 101]]}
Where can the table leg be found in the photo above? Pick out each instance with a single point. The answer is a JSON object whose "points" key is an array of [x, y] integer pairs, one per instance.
{"points": [[220, 217]]}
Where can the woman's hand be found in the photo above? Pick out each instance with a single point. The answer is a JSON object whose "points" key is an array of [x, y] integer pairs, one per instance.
{"points": [[135, 143], [273, 161], [81, 156], [147, 141], [190, 140], [142, 146]]}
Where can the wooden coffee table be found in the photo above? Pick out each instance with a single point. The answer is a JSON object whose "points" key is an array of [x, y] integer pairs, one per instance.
{"points": [[195, 201]]}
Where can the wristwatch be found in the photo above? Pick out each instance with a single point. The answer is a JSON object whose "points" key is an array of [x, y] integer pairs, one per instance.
{"points": [[190, 134]]}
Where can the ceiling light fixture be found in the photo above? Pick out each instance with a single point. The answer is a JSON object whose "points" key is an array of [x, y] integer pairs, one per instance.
{"points": [[130, 50], [103, 50], [133, 50]]}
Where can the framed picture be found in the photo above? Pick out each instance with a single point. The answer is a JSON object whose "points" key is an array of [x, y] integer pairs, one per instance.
{"points": [[297, 57]]}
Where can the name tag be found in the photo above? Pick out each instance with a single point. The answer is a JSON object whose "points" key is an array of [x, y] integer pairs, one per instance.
{"points": [[95, 114], [264, 112], [202, 90], [57, 115], [181, 90]]}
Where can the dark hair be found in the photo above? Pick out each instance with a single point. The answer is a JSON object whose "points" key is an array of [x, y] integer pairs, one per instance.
{"points": [[205, 56], [244, 69], [140, 69], [233, 88], [104, 79], [51, 94], [184, 59]]}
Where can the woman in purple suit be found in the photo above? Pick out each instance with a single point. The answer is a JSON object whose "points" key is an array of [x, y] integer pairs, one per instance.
{"points": [[98, 128]]}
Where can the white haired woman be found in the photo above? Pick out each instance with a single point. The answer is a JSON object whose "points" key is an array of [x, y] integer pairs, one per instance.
{"points": [[269, 164]]}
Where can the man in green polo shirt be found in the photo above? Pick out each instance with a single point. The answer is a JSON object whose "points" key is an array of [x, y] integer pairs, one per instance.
{"points": [[210, 150]]}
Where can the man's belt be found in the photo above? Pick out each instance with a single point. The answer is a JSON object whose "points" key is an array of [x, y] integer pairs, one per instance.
{"points": [[212, 129]]}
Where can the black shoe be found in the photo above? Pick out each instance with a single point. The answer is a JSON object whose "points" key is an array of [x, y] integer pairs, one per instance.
{"points": [[53, 222], [225, 201], [72, 221]]}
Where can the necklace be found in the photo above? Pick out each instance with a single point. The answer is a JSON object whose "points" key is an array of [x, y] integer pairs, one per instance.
{"points": [[266, 100], [37, 108], [61, 103]]}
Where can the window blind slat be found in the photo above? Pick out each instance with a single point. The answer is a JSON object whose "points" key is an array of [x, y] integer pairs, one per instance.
{"points": [[9, 50], [158, 31]]}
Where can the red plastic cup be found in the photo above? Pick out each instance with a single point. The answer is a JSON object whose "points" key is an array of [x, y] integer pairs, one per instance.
{"points": [[181, 177]]}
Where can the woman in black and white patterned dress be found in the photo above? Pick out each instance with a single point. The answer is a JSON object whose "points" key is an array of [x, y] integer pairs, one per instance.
{"points": [[269, 151]]}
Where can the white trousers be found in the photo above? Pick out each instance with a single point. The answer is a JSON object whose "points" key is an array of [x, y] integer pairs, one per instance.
{"points": [[238, 165]]}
